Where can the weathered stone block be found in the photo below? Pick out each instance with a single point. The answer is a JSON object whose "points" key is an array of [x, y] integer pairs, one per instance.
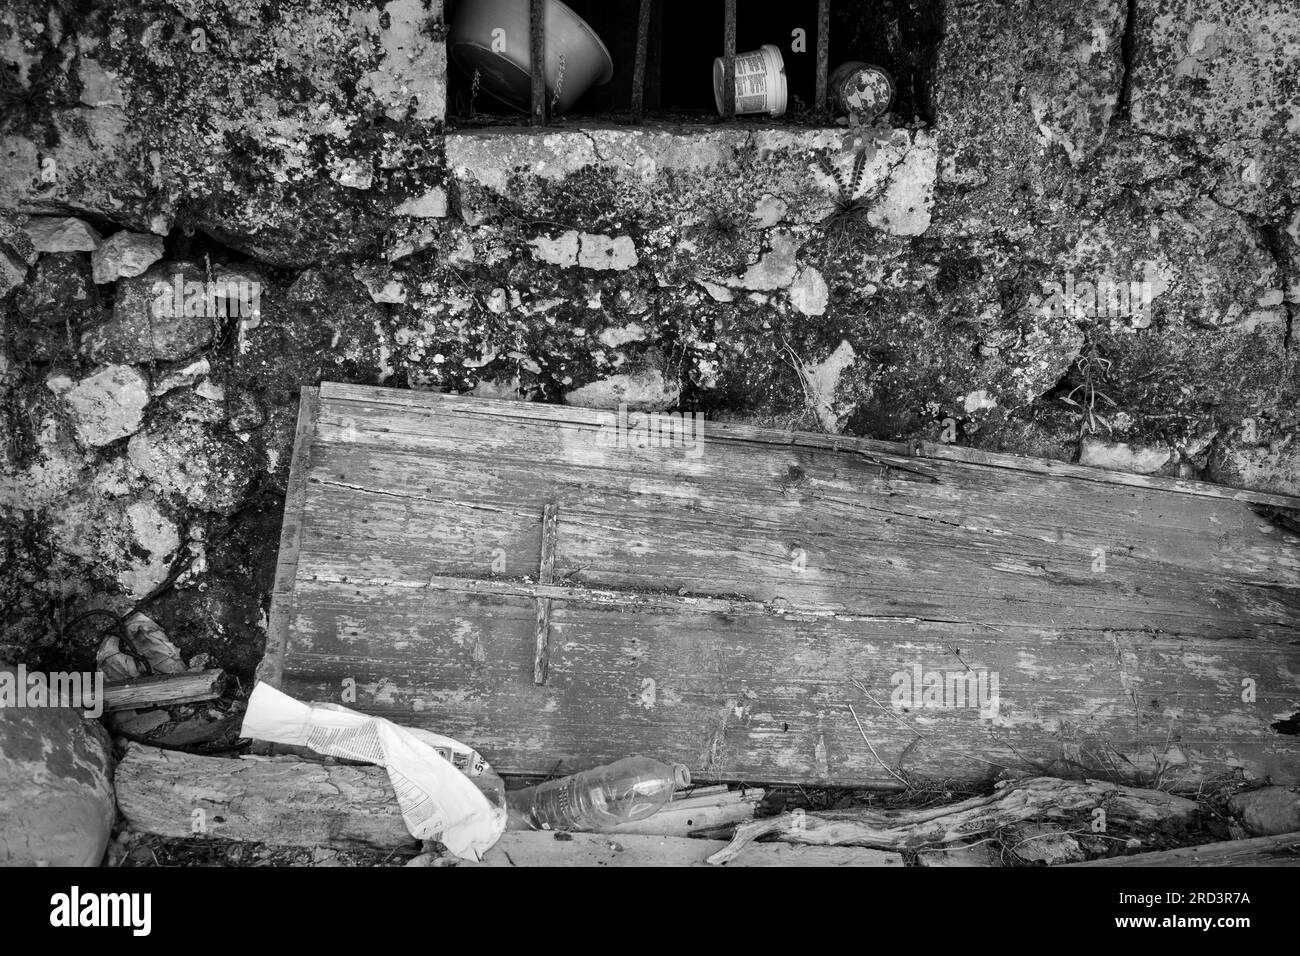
{"points": [[166, 314], [107, 405], [62, 234], [56, 790]]}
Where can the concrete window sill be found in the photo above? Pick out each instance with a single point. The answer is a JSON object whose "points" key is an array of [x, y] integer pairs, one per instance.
{"points": [[776, 160]]}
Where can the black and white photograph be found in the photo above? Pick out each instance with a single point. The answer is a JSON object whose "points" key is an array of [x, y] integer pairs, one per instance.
{"points": [[694, 434]]}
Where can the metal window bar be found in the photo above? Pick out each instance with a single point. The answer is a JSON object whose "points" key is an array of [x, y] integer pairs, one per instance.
{"points": [[537, 35], [638, 69], [729, 58], [537, 59], [654, 58], [823, 53], [729, 62]]}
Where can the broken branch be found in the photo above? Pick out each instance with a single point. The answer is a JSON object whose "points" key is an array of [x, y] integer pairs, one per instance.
{"points": [[1035, 798], [163, 691]]}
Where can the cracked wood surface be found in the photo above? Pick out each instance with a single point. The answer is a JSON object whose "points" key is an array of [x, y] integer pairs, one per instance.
{"points": [[284, 801], [1261, 851], [164, 690], [723, 605]]}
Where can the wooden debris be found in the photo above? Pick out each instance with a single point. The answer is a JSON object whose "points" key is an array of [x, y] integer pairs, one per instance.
{"points": [[292, 802], [1046, 844], [284, 801], [1038, 798], [698, 812], [286, 564], [137, 723], [201, 733], [306, 803], [1261, 851], [960, 856], [634, 849], [164, 690]]}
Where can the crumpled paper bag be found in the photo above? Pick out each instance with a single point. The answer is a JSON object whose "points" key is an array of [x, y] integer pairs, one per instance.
{"points": [[429, 772]]}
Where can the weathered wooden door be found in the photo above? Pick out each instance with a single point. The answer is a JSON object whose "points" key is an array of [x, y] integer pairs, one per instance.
{"points": [[778, 607]]}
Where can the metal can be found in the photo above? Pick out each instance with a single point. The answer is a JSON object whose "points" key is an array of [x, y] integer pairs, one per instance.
{"points": [[862, 91]]}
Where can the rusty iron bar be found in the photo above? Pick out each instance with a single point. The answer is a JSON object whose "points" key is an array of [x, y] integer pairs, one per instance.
{"points": [[638, 69], [537, 58], [729, 62], [654, 59], [823, 53]]}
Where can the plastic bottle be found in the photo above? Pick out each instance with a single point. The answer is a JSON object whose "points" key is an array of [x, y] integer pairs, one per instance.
{"points": [[629, 789]]}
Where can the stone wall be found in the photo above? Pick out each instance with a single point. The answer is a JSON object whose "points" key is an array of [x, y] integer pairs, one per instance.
{"points": [[300, 149]]}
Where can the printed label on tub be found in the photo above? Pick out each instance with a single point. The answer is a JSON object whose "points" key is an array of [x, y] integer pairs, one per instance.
{"points": [[751, 92]]}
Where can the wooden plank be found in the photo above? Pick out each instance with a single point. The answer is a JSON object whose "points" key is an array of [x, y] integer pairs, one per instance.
{"points": [[639, 65], [283, 801], [164, 689], [545, 578], [500, 452], [874, 544], [1261, 851], [765, 699], [631, 850], [537, 59], [325, 588], [715, 432], [286, 564], [729, 60], [836, 507], [823, 53], [723, 608]]}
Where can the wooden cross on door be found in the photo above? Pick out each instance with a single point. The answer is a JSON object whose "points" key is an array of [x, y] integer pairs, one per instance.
{"points": [[546, 575]]}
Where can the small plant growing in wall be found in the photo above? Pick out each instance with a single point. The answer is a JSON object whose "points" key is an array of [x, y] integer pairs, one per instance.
{"points": [[466, 100], [722, 225], [23, 110], [1085, 396], [850, 206]]}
